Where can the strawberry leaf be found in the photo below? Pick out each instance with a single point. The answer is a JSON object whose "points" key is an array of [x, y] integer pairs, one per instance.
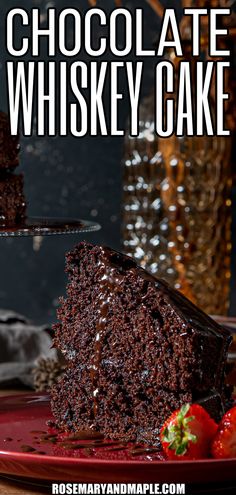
{"points": [[182, 449], [178, 434], [184, 409]]}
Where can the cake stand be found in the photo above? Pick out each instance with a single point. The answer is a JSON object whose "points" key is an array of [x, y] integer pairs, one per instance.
{"points": [[42, 226]]}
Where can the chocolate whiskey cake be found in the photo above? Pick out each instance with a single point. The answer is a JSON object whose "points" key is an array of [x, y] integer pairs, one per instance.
{"points": [[136, 349], [12, 199], [9, 145]]}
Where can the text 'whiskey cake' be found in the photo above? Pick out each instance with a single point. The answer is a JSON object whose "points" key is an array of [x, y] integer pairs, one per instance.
{"points": [[136, 349]]}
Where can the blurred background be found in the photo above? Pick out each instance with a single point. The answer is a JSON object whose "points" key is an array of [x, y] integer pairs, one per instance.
{"points": [[82, 178]]}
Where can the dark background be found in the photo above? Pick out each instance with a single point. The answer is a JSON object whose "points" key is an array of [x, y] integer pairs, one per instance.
{"points": [[66, 177]]}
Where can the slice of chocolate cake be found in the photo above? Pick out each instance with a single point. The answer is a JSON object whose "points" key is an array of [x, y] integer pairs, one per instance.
{"points": [[136, 349], [12, 199], [9, 145]]}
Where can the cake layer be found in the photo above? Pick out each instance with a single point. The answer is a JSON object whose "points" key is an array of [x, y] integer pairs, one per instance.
{"points": [[124, 322], [119, 413], [12, 199], [9, 145]]}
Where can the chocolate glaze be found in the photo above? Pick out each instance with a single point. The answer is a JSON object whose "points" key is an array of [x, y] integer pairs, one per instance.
{"points": [[109, 284], [27, 448], [188, 311], [109, 262], [117, 449], [41, 432], [141, 451], [91, 444], [86, 435]]}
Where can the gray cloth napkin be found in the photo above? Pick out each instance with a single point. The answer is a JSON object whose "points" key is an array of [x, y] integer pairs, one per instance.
{"points": [[21, 345]]}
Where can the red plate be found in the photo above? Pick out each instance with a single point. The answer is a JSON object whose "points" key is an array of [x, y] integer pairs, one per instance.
{"points": [[23, 426]]}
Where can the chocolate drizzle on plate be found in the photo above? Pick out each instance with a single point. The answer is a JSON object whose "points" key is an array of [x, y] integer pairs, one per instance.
{"points": [[89, 444], [27, 448], [86, 435]]}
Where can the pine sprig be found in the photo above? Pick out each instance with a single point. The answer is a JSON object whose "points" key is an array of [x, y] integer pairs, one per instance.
{"points": [[46, 374]]}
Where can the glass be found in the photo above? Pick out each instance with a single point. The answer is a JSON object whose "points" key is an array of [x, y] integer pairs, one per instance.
{"points": [[177, 207]]}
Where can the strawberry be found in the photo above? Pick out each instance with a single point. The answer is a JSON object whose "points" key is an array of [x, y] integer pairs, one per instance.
{"points": [[188, 433], [224, 443]]}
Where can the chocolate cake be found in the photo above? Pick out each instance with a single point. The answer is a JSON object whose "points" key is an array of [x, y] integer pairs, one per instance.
{"points": [[12, 199], [136, 349], [9, 145]]}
